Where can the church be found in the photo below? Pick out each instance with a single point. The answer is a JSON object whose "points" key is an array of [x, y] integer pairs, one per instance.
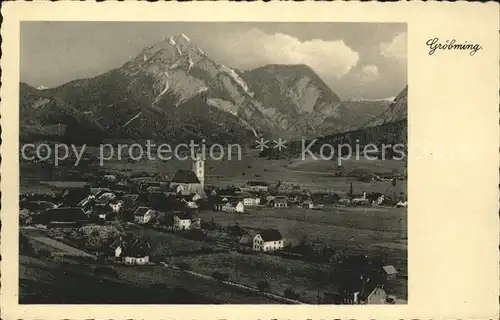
{"points": [[187, 182]]}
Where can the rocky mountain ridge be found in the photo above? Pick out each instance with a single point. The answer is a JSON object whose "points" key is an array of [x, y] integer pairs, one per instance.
{"points": [[172, 91]]}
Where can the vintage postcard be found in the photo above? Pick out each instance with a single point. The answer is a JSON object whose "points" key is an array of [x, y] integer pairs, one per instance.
{"points": [[202, 160]]}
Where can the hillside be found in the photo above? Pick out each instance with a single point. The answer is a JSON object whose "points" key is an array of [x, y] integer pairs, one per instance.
{"points": [[389, 127], [296, 99], [396, 111]]}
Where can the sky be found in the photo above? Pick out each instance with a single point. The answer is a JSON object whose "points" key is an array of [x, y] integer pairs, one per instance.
{"points": [[356, 60]]}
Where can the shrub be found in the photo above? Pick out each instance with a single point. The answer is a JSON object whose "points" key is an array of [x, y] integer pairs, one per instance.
{"points": [[184, 266], [206, 250], [290, 294], [43, 253], [158, 286], [106, 271], [220, 276], [236, 230], [263, 286]]}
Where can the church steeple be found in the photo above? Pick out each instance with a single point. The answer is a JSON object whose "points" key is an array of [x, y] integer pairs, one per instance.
{"points": [[199, 168]]}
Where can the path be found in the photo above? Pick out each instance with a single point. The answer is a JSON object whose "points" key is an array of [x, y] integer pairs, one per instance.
{"points": [[234, 284]]}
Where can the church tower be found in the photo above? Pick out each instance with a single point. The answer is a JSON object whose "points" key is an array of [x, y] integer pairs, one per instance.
{"points": [[199, 169]]}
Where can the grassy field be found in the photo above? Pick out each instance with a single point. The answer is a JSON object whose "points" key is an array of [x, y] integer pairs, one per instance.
{"points": [[44, 280], [373, 231], [355, 225], [304, 278], [315, 175], [165, 244]]}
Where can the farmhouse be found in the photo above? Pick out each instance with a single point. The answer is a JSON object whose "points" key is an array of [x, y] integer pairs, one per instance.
{"points": [[135, 252], [233, 206], [278, 202], [116, 205], [402, 204], [390, 272], [186, 221], [250, 201], [218, 206], [143, 215], [376, 198], [268, 241], [308, 204], [366, 291], [109, 177], [106, 215]]}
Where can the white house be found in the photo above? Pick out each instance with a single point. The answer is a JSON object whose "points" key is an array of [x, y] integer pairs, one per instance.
{"points": [[136, 260], [191, 205], [268, 241], [143, 215], [345, 201], [379, 200], [182, 222], [232, 207], [116, 206], [402, 204], [250, 201], [110, 177], [133, 252]]}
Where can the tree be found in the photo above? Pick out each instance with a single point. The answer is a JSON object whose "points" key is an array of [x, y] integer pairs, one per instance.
{"points": [[220, 276], [291, 294], [106, 271], [263, 285], [184, 266], [236, 230]]}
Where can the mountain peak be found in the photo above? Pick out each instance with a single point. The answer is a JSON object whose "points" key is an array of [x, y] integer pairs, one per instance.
{"points": [[171, 46], [178, 39]]}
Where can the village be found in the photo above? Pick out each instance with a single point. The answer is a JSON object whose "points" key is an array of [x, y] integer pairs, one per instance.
{"points": [[112, 222]]}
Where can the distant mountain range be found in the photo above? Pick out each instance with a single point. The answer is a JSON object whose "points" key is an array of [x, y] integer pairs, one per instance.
{"points": [[172, 91]]}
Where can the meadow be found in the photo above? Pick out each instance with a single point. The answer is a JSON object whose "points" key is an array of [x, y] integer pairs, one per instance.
{"points": [[310, 174]]}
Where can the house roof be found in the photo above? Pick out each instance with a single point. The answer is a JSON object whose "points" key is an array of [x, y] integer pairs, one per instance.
{"points": [[141, 211], [64, 214], [133, 247], [279, 200], [366, 291], [234, 202], [185, 176], [242, 195], [271, 235], [390, 269], [130, 196], [184, 215]]}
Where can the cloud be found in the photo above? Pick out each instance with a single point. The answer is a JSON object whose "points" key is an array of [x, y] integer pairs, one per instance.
{"points": [[369, 73], [396, 49], [253, 48]]}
